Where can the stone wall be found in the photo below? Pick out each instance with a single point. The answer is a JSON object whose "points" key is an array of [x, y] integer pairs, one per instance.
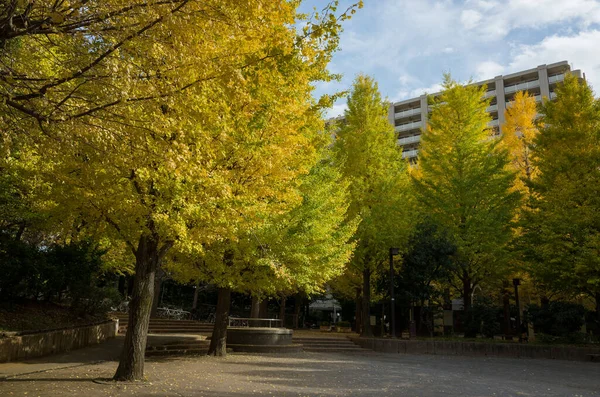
{"points": [[457, 348], [22, 347]]}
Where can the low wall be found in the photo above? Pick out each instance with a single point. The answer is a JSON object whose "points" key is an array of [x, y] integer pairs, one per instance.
{"points": [[22, 347], [480, 349]]}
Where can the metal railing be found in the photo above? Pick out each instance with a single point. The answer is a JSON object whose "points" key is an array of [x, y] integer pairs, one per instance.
{"points": [[556, 78], [492, 108], [521, 87], [408, 112], [408, 126], [409, 139], [254, 322], [410, 153]]}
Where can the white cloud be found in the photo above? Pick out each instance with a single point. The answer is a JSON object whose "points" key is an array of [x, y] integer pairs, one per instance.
{"points": [[413, 93], [488, 70], [470, 18], [337, 110], [407, 45], [499, 17], [580, 49]]}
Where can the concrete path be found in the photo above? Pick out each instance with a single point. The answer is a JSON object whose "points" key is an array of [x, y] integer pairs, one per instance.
{"points": [[318, 374]]}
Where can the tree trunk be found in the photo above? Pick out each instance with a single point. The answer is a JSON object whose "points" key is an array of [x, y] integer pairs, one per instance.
{"points": [[470, 332], [218, 341], [196, 291], [297, 308], [282, 311], [131, 363], [358, 310], [156, 299], [598, 309], [366, 303], [263, 308], [255, 308]]}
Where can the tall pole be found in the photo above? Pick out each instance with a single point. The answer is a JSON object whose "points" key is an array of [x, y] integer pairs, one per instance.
{"points": [[393, 251]]}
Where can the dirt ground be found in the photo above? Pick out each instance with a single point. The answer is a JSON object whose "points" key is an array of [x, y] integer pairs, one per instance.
{"points": [[319, 374]]}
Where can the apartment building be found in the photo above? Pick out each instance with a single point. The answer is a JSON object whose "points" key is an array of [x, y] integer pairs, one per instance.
{"points": [[409, 117]]}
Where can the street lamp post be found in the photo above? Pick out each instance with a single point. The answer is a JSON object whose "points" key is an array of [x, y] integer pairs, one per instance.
{"points": [[516, 283], [393, 251]]}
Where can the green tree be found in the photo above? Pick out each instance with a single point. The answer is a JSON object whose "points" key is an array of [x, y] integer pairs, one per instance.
{"points": [[464, 184], [371, 162], [295, 251], [562, 228], [163, 128]]}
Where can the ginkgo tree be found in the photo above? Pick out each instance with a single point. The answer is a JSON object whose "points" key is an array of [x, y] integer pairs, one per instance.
{"points": [[518, 134], [465, 185], [561, 229], [295, 251], [167, 124], [370, 160]]}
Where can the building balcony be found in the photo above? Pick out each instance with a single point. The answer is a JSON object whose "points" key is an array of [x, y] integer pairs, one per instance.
{"points": [[493, 123], [409, 139], [489, 93], [522, 87], [408, 126], [556, 78], [408, 154], [492, 108], [407, 113]]}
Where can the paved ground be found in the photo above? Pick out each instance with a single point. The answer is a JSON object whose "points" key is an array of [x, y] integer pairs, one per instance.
{"points": [[318, 374]]}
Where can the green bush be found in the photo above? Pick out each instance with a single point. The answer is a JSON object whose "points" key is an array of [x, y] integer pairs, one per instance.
{"points": [[68, 273], [343, 324], [560, 319], [485, 319], [324, 323], [96, 301]]}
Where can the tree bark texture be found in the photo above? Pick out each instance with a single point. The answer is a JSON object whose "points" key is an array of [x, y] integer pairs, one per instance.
{"points": [[598, 308], [263, 308], [358, 311], [157, 286], [467, 304], [366, 304], [218, 341], [297, 308], [255, 307], [282, 311], [196, 292], [131, 363]]}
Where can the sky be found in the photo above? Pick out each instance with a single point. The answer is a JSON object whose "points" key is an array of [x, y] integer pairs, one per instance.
{"points": [[407, 45]]}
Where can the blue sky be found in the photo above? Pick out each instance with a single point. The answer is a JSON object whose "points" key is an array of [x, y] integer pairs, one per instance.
{"points": [[408, 44]]}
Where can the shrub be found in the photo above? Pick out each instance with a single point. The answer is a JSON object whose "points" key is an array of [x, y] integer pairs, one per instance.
{"points": [[343, 324], [324, 323], [557, 318], [96, 301], [485, 319]]}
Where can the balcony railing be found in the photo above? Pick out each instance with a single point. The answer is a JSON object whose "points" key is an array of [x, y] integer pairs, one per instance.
{"points": [[493, 123], [521, 87], [492, 108], [407, 154], [406, 113], [489, 93], [409, 139], [408, 126], [556, 78]]}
